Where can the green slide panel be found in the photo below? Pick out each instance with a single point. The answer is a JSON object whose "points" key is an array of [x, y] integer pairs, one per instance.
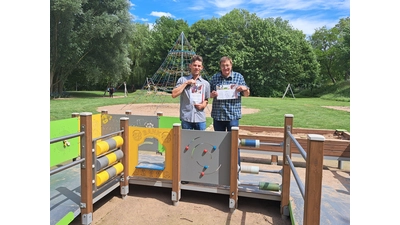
{"points": [[67, 149]]}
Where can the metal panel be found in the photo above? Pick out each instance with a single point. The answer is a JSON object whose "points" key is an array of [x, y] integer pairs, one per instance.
{"points": [[198, 155], [111, 123]]}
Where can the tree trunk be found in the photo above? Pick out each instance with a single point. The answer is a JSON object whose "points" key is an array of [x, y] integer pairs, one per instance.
{"points": [[330, 76]]}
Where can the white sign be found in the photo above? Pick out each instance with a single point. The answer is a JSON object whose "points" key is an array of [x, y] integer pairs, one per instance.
{"points": [[227, 91], [197, 93]]}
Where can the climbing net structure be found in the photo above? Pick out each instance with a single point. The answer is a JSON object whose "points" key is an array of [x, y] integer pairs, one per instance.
{"points": [[175, 65]]}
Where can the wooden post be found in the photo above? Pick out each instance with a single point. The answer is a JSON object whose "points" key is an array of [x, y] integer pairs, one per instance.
{"points": [[128, 112], [313, 184], [274, 160], [87, 169], [285, 194], [104, 111], [159, 113], [233, 190], [124, 185], [176, 164]]}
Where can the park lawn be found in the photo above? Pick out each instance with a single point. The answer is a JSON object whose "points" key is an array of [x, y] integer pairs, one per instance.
{"points": [[307, 112]]}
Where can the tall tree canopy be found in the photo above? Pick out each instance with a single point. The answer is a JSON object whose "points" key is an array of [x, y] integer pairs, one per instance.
{"points": [[88, 38], [332, 47], [268, 52], [95, 42]]}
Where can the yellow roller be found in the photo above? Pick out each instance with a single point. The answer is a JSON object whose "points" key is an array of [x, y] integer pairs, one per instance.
{"points": [[109, 144], [101, 178], [105, 175]]}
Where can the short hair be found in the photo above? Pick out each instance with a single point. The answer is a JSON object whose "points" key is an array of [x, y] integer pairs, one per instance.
{"points": [[225, 58], [196, 58]]}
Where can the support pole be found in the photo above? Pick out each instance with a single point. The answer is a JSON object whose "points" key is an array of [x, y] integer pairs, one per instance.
{"points": [[87, 169], [313, 184], [286, 167], [233, 190], [124, 185], [176, 164]]}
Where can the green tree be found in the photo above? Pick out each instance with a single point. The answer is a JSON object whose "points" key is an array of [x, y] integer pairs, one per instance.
{"points": [[140, 53], [343, 62], [64, 54], [88, 37], [332, 47], [164, 34]]}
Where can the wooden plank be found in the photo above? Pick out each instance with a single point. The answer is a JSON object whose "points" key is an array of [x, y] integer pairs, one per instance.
{"points": [[335, 148]]}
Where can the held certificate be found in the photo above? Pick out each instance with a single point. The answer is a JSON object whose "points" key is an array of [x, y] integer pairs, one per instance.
{"points": [[227, 91], [196, 93]]}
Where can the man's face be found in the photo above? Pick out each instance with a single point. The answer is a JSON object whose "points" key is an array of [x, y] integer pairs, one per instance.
{"points": [[226, 68], [196, 67]]}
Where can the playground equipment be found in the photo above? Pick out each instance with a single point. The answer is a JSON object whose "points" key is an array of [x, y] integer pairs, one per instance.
{"points": [[207, 160], [337, 148], [175, 65]]}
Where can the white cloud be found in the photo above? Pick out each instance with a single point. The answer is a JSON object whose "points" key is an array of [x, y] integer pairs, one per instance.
{"points": [[196, 8], [308, 26], [137, 18], [230, 4], [160, 14]]}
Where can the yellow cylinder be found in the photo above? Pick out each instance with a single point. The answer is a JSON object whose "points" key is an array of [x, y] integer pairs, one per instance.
{"points": [[119, 168], [105, 175], [119, 141], [109, 144], [101, 147], [102, 177]]}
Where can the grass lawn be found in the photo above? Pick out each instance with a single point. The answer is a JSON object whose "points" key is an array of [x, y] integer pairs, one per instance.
{"points": [[307, 112]]}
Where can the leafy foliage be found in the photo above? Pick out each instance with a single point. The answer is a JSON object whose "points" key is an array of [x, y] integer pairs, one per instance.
{"points": [[88, 37], [95, 44], [332, 48]]}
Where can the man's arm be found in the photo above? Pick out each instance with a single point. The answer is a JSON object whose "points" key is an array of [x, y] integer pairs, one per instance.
{"points": [[178, 90]]}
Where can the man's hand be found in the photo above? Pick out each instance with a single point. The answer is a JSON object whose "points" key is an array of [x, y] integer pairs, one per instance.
{"points": [[242, 88], [213, 94], [190, 82]]}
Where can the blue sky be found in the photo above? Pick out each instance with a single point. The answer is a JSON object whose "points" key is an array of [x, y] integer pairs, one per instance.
{"points": [[305, 15]]}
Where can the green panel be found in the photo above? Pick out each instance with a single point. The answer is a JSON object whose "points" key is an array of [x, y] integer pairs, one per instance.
{"points": [[58, 152], [167, 121]]}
